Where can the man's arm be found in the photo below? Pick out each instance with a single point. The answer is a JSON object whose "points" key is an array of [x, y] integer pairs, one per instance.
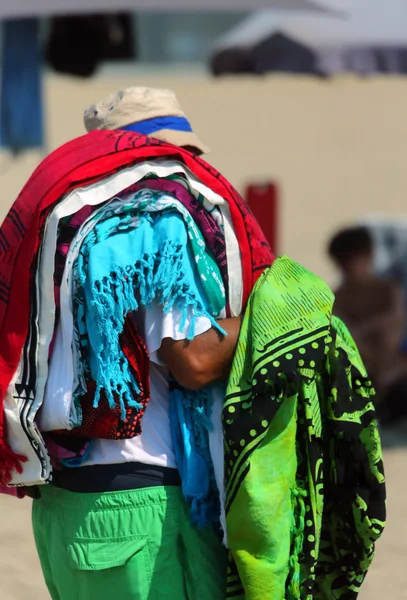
{"points": [[205, 359]]}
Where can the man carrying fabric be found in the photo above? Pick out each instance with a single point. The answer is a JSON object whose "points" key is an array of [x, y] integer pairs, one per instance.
{"points": [[125, 527], [148, 258]]}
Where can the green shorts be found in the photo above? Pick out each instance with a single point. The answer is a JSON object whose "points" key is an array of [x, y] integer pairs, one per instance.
{"points": [[132, 545]]}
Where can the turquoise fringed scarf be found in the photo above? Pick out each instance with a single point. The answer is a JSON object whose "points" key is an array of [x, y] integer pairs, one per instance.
{"points": [[121, 267], [151, 201], [190, 414]]}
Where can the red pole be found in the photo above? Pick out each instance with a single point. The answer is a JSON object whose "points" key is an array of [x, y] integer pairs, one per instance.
{"points": [[263, 202]]}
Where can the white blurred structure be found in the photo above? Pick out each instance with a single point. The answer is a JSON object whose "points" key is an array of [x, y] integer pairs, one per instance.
{"points": [[390, 241]]}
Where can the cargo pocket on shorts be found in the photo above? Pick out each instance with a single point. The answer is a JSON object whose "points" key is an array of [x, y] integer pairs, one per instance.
{"points": [[97, 555], [128, 562]]}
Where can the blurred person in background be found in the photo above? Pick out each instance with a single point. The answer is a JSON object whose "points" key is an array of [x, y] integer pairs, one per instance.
{"points": [[373, 309]]}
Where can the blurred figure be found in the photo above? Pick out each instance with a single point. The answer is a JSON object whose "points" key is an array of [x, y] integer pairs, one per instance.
{"points": [[373, 309]]}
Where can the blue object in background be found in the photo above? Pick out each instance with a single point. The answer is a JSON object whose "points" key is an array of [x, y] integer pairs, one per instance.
{"points": [[21, 102]]}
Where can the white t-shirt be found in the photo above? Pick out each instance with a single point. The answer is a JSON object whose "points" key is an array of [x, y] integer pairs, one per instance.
{"points": [[153, 446]]}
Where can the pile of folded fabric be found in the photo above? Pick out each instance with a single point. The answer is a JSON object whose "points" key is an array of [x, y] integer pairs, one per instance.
{"points": [[102, 228]]}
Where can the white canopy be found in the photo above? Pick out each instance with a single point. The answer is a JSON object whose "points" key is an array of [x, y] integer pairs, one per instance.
{"points": [[370, 23], [22, 8]]}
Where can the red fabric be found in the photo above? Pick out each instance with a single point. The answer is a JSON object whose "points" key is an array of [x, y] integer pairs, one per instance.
{"points": [[105, 422], [80, 162]]}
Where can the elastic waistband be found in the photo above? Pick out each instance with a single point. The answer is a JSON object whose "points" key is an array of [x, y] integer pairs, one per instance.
{"points": [[51, 496], [114, 478]]}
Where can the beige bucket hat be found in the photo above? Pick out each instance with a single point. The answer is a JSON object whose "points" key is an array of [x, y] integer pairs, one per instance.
{"points": [[148, 111]]}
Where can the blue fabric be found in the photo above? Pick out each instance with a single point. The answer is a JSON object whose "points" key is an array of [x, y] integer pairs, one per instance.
{"points": [[190, 425], [150, 126], [77, 461], [116, 259], [21, 110]]}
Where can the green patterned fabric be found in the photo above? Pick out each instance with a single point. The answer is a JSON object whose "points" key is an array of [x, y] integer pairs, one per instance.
{"points": [[304, 473]]}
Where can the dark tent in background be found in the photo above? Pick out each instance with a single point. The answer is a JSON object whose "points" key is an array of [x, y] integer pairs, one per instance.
{"points": [[256, 45], [277, 53], [368, 38], [261, 43]]}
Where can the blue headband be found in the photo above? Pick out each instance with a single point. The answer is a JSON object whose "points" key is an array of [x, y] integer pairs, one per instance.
{"points": [[153, 125]]}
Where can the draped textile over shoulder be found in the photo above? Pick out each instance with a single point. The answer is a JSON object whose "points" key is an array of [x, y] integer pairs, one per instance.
{"points": [[78, 163], [304, 473]]}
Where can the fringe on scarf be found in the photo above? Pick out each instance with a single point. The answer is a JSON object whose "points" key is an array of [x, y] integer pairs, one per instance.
{"points": [[204, 511], [297, 532], [190, 417], [158, 277]]}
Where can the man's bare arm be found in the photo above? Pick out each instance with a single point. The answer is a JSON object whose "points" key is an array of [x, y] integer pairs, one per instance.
{"points": [[205, 359]]}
